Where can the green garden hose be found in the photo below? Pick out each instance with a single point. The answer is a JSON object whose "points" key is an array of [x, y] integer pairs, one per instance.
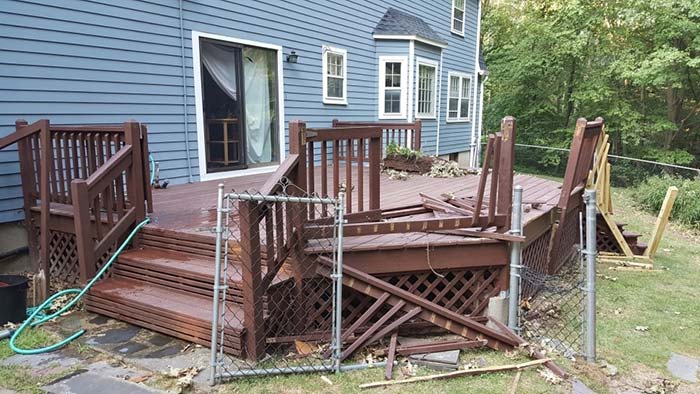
{"points": [[35, 318]]}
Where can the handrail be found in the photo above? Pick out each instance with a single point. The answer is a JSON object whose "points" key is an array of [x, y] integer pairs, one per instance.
{"points": [[285, 170], [23, 133], [392, 131], [109, 170]]}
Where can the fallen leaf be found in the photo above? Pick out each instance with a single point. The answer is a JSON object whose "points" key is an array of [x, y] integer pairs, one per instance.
{"points": [[641, 328], [549, 376], [139, 379], [303, 348]]}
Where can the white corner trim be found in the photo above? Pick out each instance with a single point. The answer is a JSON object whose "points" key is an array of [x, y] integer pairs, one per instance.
{"points": [[404, 86], [325, 49], [420, 61], [199, 108], [439, 107], [472, 143], [410, 38], [411, 80]]}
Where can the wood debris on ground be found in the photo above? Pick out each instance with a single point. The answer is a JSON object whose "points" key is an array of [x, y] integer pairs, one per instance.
{"points": [[468, 372], [184, 376], [549, 376]]}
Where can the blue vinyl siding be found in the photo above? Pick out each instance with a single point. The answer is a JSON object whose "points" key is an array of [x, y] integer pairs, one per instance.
{"points": [[100, 61]]}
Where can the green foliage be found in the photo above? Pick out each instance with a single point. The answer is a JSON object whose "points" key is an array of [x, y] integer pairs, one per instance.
{"points": [[650, 194], [636, 64], [393, 149]]}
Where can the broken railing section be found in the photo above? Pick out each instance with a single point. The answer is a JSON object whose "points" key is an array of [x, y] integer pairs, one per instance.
{"points": [[578, 166]]}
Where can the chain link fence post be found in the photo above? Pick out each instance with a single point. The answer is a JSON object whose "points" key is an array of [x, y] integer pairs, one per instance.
{"points": [[516, 228], [591, 211], [217, 283], [338, 278]]}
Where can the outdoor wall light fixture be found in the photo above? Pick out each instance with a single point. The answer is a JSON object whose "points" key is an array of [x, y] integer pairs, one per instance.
{"points": [[292, 57]]}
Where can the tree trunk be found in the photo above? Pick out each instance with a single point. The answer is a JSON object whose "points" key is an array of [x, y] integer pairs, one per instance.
{"points": [[674, 104]]}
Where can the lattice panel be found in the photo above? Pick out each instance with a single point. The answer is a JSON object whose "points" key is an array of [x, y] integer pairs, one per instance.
{"points": [[535, 259], [63, 260], [569, 237], [605, 241], [466, 292]]}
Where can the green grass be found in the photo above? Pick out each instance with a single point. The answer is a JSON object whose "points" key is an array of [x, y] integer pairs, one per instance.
{"points": [[348, 382], [21, 378], [666, 302]]}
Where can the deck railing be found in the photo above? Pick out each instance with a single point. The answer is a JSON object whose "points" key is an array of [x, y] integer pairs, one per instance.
{"points": [[96, 173], [404, 134]]}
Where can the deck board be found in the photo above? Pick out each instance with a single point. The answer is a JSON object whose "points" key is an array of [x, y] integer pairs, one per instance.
{"points": [[191, 208]]}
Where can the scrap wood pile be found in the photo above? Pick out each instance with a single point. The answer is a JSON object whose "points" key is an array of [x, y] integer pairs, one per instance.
{"points": [[444, 355]]}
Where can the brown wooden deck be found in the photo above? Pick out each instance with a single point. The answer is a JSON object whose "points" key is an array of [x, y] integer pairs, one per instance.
{"points": [[191, 208]]}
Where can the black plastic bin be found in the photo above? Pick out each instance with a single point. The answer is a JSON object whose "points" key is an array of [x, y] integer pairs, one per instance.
{"points": [[13, 298]]}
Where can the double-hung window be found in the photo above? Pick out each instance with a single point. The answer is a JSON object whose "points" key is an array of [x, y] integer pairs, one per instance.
{"points": [[458, 17], [335, 82], [458, 97], [392, 87], [426, 89]]}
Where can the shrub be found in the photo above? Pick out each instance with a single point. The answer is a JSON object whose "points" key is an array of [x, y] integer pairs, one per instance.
{"points": [[393, 149], [649, 195]]}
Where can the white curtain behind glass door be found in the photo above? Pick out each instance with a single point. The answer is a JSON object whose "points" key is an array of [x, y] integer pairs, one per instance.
{"points": [[257, 105]]}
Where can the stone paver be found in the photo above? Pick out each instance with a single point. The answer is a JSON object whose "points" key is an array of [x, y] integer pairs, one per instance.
{"points": [[580, 388], [91, 383], [683, 367]]}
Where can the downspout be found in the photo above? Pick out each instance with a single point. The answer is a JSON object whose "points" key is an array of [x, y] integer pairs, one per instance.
{"points": [[184, 93], [439, 106], [411, 80], [477, 157], [472, 145]]}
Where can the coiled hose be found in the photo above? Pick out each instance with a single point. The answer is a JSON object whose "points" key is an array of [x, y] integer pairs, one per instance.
{"points": [[37, 315]]}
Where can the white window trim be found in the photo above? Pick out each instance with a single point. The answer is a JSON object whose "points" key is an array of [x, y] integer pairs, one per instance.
{"points": [[434, 65], [452, 19], [461, 75], [325, 50], [199, 109], [381, 88]]}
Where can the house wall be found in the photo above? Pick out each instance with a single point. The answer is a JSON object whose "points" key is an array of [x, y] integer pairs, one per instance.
{"points": [[99, 61]]}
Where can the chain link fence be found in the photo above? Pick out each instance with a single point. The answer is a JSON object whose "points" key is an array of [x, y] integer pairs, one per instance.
{"points": [[276, 312], [553, 307], [627, 171]]}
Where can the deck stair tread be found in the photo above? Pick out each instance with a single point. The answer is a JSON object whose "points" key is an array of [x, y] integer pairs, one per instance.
{"points": [[163, 301], [184, 264]]}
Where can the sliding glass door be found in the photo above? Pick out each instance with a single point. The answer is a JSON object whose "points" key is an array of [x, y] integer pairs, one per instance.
{"points": [[240, 105]]}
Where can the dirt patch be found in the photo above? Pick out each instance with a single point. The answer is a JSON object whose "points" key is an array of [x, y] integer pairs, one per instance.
{"points": [[640, 379]]}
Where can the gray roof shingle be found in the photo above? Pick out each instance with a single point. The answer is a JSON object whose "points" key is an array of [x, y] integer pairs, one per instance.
{"points": [[399, 23]]}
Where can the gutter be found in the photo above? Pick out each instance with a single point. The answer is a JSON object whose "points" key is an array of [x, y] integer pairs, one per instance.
{"points": [[184, 92]]}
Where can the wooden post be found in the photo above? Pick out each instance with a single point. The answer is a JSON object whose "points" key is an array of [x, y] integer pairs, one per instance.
{"points": [[251, 262], [297, 142], [507, 158], [661, 221], [83, 229], [375, 158], [134, 180], [45, 197], [147, 169], [417, 135], [26, 170]]}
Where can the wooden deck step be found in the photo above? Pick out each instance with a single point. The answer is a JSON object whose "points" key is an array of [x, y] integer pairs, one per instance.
{"points": [[183, 271], [169, 311]]}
